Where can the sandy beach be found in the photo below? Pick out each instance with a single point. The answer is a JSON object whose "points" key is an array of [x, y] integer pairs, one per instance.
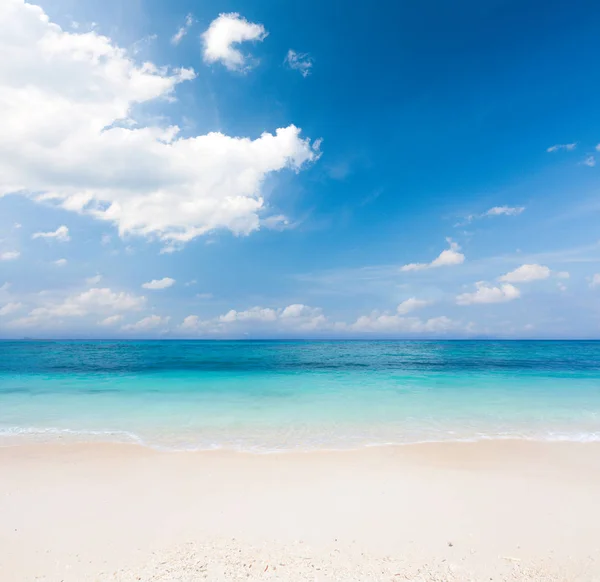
{"points": [[461, 511]]}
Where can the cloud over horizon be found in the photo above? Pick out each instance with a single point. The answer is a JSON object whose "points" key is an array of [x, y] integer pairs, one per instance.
{"points": [[449, 257], [486, 293]]}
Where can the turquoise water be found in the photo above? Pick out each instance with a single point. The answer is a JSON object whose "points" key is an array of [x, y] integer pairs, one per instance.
{"points": [[269, 396]]}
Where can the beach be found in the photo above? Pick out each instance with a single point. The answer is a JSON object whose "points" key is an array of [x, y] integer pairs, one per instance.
{"points": [[501, 510], [185, 461], [299, 291]]}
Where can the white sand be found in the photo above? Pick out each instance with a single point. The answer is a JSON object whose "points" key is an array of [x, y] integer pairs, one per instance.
{"points": [[493, 510]]}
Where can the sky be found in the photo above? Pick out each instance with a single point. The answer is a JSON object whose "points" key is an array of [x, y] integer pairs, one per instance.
{"points": [[267, 169]]}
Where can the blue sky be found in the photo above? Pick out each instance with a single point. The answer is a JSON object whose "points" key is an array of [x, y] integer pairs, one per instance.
{"points": [[171, 169]]}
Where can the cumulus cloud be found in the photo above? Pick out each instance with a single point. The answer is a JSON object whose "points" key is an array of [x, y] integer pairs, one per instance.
{"points": [[111, 320], [589, 161], [69, 137], [595, 282], [191, 323], [300, 318], [182, 30], [450, 256], [94, 280], [224, 32], [410, 305], [9, 255], [10, 308], [504, 210], [61, 234], [60, 262], [562, 146], [253, 314], [301, 62], [485, 293], [293, 318], [296, 316], [94, 301], [147, 323], [526, 273], [388, 323], [163, 283]]}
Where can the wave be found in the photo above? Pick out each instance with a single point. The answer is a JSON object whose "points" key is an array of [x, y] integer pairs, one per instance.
{"points": [[15, 436], [18, 431]]}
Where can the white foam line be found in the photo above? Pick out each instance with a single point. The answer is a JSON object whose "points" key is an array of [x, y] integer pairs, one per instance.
{"points": [[129, 437]]}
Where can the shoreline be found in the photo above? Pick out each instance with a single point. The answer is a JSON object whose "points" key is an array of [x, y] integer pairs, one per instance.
{"points": [[71, 512], [76, 438]]}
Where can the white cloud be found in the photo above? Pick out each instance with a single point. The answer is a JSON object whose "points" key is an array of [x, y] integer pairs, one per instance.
{"points": [[147, 323], [183, 30], [9, 255], [61, 234], [111, 320], [159, 283], [595, 282], [504, 210], [293, 318], [526, 273], [10, 308], [563, 275], [98, 299], [494, 211], [69, 138], [302, 316], [299, 318], [387, 323], [253, 314], [590, 161], [191, 323], [449, 257], [410, 305], [205, 296], [561, 287], [94, 280], [301, 62], [223, 33], [485, 293], [562, 146], [60, 262], [94, 301]]}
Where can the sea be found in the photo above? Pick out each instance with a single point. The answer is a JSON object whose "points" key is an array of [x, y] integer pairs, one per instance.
{"points": [[277, 396]]}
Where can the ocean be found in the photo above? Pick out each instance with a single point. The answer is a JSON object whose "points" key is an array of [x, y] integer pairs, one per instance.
{"points": [[265, 396]]}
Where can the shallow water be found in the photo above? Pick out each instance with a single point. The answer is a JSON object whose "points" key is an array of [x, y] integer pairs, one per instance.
{"points": [[268, 396]]}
